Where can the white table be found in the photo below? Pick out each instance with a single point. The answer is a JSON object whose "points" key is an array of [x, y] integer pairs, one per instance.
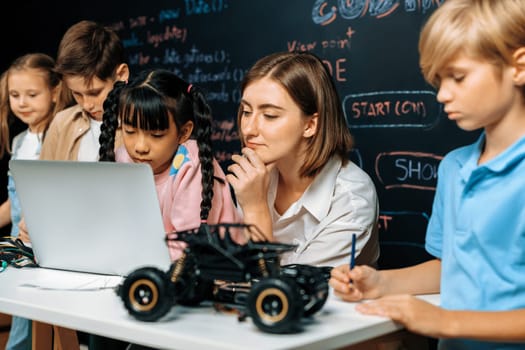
{"points": [[102, 312]]}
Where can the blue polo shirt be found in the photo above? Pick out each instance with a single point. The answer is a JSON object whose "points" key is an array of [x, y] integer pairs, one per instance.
{"points": [[477, 229]]}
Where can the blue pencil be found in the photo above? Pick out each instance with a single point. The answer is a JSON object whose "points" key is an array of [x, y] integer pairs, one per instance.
{"points": [[352, 254]]}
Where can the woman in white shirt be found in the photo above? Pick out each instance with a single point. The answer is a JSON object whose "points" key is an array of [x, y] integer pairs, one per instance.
{"points": [[294, 179]]}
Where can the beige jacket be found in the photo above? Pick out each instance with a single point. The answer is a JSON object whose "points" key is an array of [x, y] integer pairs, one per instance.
{"points": [[63, 137]]}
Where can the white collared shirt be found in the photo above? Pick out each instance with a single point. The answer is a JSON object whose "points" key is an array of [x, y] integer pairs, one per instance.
{"points": [[339, 202], [89, 144]]}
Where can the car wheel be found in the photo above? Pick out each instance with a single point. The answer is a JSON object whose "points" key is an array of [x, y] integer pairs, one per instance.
{"points": [[275, 305], [146, 294]]}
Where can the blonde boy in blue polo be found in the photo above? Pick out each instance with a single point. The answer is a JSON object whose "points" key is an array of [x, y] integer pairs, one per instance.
{"points": [[473, 51]]}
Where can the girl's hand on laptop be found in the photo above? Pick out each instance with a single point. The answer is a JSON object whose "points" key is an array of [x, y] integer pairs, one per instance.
{"points": [[22, 231]]}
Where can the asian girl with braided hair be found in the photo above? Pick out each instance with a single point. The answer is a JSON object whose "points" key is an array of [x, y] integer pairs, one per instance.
{"points": [[167, 123]]}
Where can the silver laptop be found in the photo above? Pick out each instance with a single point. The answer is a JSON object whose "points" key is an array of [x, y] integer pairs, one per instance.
{"points": [[95, 217]]}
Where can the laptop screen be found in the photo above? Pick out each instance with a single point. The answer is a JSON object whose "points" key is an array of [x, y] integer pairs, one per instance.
{"points": [[97, 217]]}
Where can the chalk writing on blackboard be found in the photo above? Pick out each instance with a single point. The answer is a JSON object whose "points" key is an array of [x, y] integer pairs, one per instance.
{"points": [[402, 238], [224, 130], [402, 221], [324, 14], [400, 169], [387, 109]]}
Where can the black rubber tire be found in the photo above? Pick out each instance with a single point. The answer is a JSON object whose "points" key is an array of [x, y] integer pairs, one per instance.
{"points": [[275, 305], [146, 294]]}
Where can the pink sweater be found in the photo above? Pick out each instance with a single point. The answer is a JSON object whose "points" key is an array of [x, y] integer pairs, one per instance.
{"points": [[179, 190]]}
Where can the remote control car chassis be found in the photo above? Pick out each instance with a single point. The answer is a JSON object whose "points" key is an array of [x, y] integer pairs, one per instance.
{"points": [[245, 277]]}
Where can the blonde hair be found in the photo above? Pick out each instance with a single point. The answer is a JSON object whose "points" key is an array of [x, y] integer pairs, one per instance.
{"points": [[43, 63], [483, 29]]}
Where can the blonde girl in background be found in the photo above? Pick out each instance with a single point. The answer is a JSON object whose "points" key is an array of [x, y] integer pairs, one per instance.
{"points": [[30, 91]]}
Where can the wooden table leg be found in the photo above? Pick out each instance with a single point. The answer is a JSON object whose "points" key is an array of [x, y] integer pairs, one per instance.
{"points": [[48, 337], [65, 339], [42, 336]]}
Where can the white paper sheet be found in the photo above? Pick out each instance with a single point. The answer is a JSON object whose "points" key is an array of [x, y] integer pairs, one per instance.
{"points": [[49, 279]]}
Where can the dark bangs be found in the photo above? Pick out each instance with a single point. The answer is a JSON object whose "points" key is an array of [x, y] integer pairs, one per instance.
{"points": [[144, 109]]}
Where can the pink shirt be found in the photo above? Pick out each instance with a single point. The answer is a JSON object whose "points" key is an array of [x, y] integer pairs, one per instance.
{"points": [[179, 190]]}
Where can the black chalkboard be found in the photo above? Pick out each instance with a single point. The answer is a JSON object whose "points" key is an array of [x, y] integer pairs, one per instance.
{"points": [[370, 47]]}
